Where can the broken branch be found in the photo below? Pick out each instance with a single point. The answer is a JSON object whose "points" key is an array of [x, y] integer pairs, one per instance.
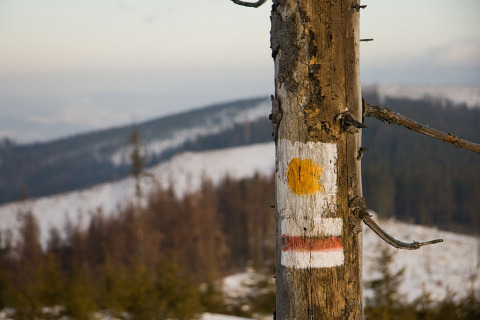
{"points": [[249, 4], [391, 117], [359, 208], [367, 219]]}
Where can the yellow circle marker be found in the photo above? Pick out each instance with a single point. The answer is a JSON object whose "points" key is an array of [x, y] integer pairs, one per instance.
{"points": [[303, 176]]}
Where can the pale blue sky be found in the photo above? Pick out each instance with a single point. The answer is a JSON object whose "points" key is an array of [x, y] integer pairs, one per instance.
{"points": [[67, 66]]}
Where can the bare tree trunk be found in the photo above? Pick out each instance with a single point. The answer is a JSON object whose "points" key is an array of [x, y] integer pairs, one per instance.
{"points": [[316, 107]]}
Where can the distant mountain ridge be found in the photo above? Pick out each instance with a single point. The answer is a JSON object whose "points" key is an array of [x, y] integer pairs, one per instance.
{"points": [[84, 160]]}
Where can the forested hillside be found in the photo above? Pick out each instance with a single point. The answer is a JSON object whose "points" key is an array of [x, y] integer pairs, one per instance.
{"points": [[418, 179]]}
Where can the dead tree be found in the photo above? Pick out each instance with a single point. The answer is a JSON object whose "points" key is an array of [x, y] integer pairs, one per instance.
{"points": [[317, 117]]}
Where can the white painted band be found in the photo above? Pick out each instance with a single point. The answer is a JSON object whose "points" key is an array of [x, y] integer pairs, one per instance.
{"points": [[305, 260], [321, 227]]}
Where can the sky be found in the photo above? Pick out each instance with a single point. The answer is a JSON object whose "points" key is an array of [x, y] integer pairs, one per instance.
{"points": [[71, 66]]}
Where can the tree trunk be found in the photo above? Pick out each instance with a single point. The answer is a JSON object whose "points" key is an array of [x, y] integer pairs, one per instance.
{"points": [[318, 265]]}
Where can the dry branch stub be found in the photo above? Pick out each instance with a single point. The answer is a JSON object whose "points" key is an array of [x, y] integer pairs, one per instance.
{"points": [[391, 240], [359, 208]]}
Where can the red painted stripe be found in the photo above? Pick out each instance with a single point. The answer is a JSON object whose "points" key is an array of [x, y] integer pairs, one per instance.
{"points": [[317, 244]]}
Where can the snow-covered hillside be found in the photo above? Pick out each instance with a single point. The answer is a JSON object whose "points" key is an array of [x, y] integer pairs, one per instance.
{"points": [[88, 159], [225, 119], [184, 172], [453, 264], [468, 95]]}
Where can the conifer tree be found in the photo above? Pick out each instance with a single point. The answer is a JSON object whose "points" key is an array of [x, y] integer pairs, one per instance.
{"points": [[28, 266], [137, 162], [470, 305], [80, 293], [140, 299], [111, 285], [51, 285], [178, 295], [5, 266], [386, 303]]}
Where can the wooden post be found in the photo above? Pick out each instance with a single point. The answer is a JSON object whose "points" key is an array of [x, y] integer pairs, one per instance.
{"points": [[315, 110]]}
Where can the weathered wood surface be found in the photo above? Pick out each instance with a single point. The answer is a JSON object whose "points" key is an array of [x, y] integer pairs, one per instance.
{"points": [[315, 48]]}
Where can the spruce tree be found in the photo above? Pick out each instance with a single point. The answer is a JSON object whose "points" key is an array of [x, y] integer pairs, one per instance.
{"points": [[386, 302]]}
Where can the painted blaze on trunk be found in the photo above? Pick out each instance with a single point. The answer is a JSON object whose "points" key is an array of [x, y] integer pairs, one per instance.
{"points": [[315, 49], [307, 205]]}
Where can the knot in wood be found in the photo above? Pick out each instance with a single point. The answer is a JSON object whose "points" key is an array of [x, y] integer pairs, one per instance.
{"points": [[348, 122]]}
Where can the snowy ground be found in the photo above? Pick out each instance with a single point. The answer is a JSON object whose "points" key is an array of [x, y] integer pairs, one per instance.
{"points": [[453, 264]]}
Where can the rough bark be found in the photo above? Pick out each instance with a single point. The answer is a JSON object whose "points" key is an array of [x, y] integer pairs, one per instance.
{"points": [[315, 48]]}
